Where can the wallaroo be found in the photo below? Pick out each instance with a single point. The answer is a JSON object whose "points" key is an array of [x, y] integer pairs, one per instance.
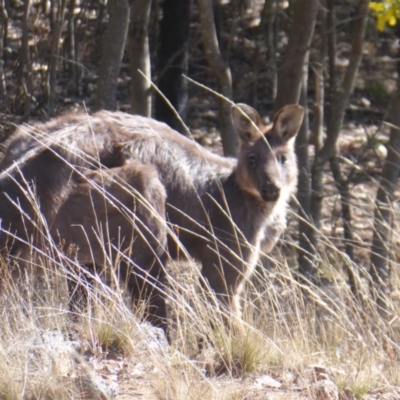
{"points": [[108, 218], [119, 214], [222, 209]]}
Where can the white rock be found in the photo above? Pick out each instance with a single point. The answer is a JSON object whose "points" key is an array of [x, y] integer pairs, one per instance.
{"points": [[267, 381]]}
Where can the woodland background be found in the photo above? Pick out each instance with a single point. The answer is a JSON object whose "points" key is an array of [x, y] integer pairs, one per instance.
{"points": [[328, 55], [323, 314]]}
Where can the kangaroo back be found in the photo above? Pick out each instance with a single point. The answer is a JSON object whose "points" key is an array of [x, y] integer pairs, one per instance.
{"points": [[64, 183], [120, 209], [115, 219], [223, 208]]}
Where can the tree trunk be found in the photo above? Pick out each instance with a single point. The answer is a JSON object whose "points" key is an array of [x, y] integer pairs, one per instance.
{"points": [[268, 17], [290, 75], [233, 30], [306, 253], [25, 67], [139, 55], [112, 53], [173, 62], [335, 119], [72, 50], [55, 47], [332, 51], [304, 187], [383, 218], [292, 82], [342, 185], [3, 23], [319, 80], [222, 73]]}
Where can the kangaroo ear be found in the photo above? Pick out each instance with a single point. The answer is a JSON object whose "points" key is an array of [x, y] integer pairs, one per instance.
{"points": [[287, 121], [247, 122]]}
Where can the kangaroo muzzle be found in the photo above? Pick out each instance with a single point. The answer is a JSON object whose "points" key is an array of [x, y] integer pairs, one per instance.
{"points": [[270, 192]]}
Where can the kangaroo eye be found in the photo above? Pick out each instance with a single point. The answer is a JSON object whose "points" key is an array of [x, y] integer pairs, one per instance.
{"points": [[252, 161], [282, 159]]}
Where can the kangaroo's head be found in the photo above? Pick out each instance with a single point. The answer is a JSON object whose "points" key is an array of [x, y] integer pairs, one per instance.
{"points": [[267, 166]]}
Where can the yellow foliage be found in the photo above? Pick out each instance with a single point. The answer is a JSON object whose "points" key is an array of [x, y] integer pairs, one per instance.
{"points": [[386, 12]]}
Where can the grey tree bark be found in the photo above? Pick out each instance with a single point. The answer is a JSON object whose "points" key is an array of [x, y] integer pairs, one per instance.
{"points": [[173, 63], [72, 52], [341, 182], [383, 217], [304, 186], [139, 58], [58, 7], [25, 67], [113, 50], [290, 75], [306, 248], [222, 73], [3, 32], [292, 83], [339, 101], [268, 17]]}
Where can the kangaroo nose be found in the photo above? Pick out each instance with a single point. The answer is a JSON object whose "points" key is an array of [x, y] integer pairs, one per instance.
{"points": [[270, 192]]}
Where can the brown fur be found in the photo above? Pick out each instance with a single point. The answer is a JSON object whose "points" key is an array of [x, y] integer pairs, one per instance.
{"points": [[222, 207], [119, 214], [112, 214]]}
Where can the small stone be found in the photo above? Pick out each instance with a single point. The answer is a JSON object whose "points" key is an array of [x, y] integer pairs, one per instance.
{"points": [[267, 381]]}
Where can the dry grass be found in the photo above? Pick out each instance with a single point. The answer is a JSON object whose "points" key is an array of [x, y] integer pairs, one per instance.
{"points": [[287, 330], [299, 335]]}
